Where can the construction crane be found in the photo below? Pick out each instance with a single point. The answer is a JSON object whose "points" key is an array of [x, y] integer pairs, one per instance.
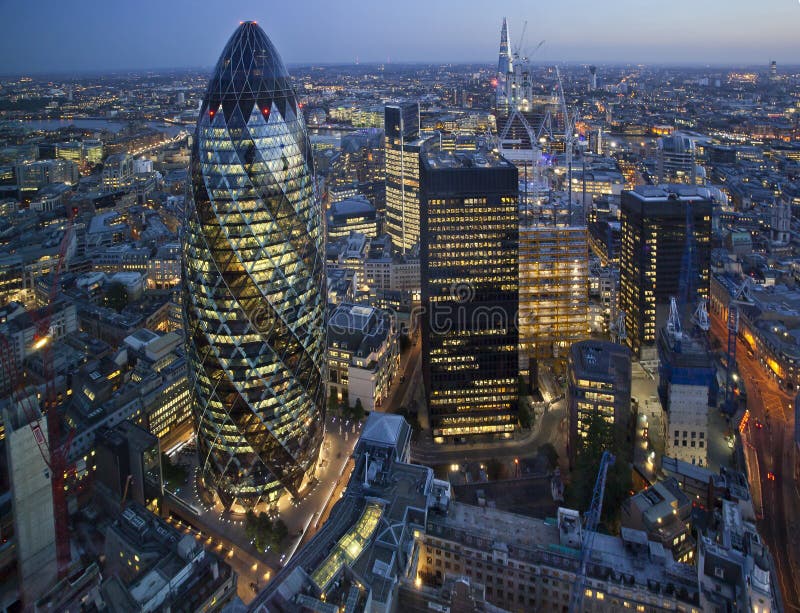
{"points": [[516, 52], [54, 451], [733, 331], [591, 519], [687, 280], [570, 120]]}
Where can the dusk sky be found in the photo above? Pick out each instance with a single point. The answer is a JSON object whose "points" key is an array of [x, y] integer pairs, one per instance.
{"points": [[64, 36]]}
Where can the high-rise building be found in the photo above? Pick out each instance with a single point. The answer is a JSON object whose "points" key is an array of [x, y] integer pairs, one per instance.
{"points": [[254, 284], [592, 78], [403, 145], [653, 248], [599, 384], [469, 270], [676, 161], [553, 282], [505, 66]]}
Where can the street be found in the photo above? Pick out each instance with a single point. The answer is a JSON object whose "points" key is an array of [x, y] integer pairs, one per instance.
{"points": [[772, 408], [227, 532]]}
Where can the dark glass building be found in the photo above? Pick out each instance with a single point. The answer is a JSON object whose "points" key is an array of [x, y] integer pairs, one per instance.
{"points": [[653, 248], [254, 281], [469, 268]]}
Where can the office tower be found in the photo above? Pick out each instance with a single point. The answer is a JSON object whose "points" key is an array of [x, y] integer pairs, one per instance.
{"points": [[402, 173], [592, 78], [468, 255], [653, 245], [553, 282], [599, 384], [675, 160], [773, 70], [254, 285]]}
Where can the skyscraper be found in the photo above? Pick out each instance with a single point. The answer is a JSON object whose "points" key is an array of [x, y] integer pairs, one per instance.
{"points": [[653, 248], [254, 281], [505, 67], [553, 281], [469, 269], [403, 143]]}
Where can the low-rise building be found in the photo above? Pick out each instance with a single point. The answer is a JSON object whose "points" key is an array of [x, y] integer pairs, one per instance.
{"points": [[663, 511], [153, 567], [363, 356], [355, 214], [397, 539], [599, 384]]}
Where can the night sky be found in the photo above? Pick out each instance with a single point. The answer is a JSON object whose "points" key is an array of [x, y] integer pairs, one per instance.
{"points": [[73, 36]]}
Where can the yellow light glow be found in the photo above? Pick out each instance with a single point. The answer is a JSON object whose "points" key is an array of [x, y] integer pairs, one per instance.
{"points": [[41, 343]]}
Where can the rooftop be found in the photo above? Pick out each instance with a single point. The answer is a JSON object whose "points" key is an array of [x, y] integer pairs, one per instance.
{"points": [[439, 159]]}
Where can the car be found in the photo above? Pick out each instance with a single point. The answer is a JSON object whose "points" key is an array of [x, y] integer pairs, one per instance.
{"points": [[771, 476], [758, 424]]}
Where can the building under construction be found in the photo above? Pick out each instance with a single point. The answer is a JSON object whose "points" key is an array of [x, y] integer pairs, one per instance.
{"points": [[553, 281]]}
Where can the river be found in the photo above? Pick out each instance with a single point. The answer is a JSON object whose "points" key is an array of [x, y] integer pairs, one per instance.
{"points": [[95, 124]]}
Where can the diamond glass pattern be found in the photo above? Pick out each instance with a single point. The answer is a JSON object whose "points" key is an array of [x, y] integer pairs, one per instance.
{"points": [[253, 280]]}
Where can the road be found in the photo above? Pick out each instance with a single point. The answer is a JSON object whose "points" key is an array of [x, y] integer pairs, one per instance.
{"points": [[772, 407], [408, 362], [551, 428], [228, 532]]}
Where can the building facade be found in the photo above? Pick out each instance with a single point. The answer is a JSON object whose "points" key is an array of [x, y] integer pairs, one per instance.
{"points": [[599, 384], [553, 286], [469, 270], [254, 284], [363, 356], [403, 143], [653, 246]]}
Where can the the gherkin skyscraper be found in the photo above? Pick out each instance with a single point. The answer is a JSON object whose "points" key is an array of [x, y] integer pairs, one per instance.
{"points": [[253, 280]]}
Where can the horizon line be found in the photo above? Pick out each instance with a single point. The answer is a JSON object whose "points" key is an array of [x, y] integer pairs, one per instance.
{"points": [[482, 63]]}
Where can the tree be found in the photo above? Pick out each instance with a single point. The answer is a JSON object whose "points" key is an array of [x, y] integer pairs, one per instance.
{"points": [[116, 297], [548, 451], [263, 532], [600, 436], [333, 403], [403, 342], [358, 410], [173, 474], [495, 470], [525, 420]]}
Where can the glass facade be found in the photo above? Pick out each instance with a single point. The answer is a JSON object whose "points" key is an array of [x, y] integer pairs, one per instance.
{"points": [[402, 149], [652, 249], [254, 280], [470, 297]]}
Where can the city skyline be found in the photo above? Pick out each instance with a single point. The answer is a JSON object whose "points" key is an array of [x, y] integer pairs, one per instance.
{"points": [[112, 38]]}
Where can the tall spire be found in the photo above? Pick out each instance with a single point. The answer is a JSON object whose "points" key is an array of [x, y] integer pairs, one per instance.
{"points": [[504, 65]]}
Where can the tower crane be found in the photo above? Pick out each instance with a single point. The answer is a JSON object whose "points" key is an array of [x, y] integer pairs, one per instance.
{"points": [[570, 119], [54, 451], [591, 519], [733, 332]]}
